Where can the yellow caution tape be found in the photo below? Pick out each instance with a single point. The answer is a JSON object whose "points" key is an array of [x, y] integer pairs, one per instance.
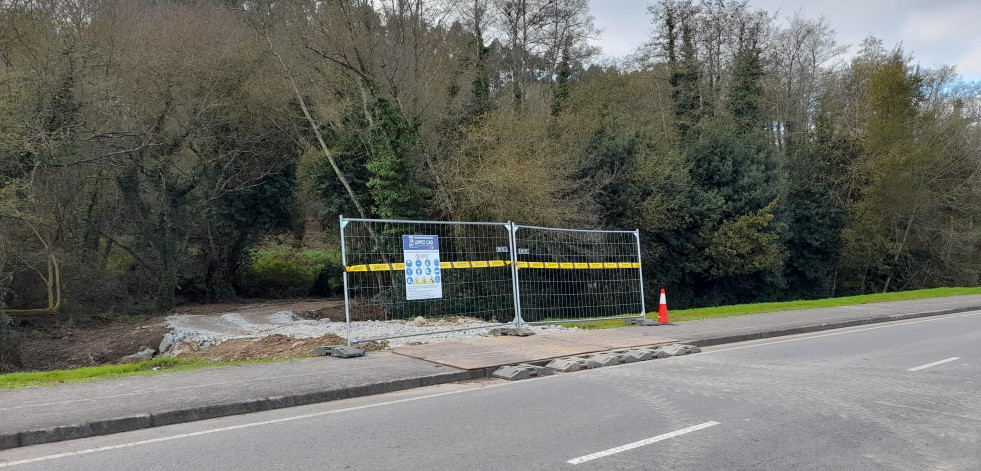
{"points": [[496, 264]]}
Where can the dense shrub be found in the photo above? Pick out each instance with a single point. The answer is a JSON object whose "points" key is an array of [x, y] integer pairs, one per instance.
{"points": [[287, 273]]}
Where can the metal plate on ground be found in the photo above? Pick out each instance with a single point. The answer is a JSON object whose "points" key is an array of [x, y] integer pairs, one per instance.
{"points": [[498, 351], [609, 339]]}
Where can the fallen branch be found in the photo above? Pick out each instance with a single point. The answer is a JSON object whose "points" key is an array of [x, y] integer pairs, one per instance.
{"points": [[31, 312]]}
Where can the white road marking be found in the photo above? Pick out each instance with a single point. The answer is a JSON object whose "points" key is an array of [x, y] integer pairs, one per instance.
{"points": [[928, 410], [921, 367], [886, 325], [631, 446], [233, 427]]}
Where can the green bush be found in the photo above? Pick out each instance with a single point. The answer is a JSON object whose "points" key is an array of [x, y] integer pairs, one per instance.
{"points": [[288, 273]]}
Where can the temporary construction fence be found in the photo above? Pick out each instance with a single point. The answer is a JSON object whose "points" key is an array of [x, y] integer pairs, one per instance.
{"points": [[577, 275], [501, 273]]}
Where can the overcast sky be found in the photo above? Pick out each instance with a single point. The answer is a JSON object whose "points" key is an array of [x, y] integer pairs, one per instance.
{"points": [[935, 31]]}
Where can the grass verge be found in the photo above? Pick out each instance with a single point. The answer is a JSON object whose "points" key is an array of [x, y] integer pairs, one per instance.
{"points": [[759, 308], [92, 373]]}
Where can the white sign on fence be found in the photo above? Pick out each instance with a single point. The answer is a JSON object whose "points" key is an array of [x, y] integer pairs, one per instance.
{"points": [[423, 277]]}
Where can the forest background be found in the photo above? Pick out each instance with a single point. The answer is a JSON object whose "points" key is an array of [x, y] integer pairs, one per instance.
{"points": [[160, 152]]}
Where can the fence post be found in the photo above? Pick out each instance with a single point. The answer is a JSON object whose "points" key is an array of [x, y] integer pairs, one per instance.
{"points": [[347, 303], [640, 272], [512, 229]]}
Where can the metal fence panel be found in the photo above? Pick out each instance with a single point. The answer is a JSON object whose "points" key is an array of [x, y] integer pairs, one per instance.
{"points": [[473, 271], [574, 275], [498, 272]]}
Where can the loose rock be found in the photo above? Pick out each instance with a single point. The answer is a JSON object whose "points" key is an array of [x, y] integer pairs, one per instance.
{"points": [[166, 343], [144, 354]]}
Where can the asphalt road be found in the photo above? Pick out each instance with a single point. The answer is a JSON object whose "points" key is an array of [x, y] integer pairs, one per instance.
{"points": [[902, 395]]}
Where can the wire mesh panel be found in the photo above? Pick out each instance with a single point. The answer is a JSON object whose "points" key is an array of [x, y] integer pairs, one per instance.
{"points": [[400, 270], [573, 275]]}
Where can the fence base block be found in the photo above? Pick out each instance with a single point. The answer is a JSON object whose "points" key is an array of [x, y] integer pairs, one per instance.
{"points": [[520, 331], [678, 349], [608, 359], [564, 365], [633, 355], [643, 322], [343, 351], [521, 371]]}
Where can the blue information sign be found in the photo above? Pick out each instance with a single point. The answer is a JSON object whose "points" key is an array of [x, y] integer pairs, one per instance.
{"points": [[422, 250]]}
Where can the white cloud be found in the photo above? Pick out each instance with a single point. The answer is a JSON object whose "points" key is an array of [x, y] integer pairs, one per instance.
{"points": [[969, 64], [946, 22], [936, 32]]}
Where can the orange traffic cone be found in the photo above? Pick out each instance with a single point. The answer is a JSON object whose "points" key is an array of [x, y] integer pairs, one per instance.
{"points": [[662, 310]]}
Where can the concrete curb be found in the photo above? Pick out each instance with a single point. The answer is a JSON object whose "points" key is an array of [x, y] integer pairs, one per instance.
{"points": [[158, 419], [707, 342]]}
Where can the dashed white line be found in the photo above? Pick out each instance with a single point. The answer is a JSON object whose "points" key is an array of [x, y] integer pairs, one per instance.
{"points": [[887, 325], [638, 444], [233, 427], [918, 368]]}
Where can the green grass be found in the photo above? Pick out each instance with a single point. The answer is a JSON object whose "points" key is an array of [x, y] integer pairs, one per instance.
{"points": [[759, 308], [92, 373]]}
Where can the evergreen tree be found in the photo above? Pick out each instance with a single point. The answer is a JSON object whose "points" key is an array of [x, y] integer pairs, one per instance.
{"points": [[560, 90], [685, 76], [814, 221], [392, 143], [746, 93]]}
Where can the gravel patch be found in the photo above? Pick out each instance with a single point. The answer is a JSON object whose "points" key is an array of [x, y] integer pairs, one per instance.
{"points": [[208, 330]]}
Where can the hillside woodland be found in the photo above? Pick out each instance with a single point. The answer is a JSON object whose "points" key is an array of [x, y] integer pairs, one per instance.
{"points": [[158, 152]]}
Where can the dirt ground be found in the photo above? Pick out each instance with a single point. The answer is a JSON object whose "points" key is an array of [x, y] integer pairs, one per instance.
{"points": [[276, 346], [65, 343], [52, 343]]}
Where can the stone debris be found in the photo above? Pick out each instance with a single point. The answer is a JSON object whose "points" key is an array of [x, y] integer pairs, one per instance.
{"points": [[182, 348], [229, 326]]}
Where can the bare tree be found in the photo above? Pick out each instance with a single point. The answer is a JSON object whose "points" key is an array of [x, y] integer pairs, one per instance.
{"points": [[801, 61]]}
